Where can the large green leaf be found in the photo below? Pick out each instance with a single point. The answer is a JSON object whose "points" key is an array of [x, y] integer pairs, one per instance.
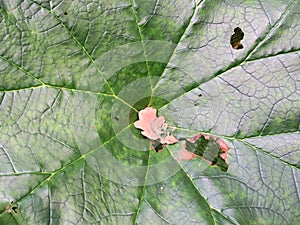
{"points": [[73, 75]]}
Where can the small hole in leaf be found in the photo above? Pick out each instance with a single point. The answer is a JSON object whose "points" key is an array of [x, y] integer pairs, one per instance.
{"points": [[65, 13], [236, 38], [10, 208], [157, 146], [14, 208]]}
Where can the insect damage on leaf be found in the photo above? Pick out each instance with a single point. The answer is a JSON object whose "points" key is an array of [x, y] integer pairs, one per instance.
{"points": [[154, 128], [157, 146], [11, 208], [208, 147], [236, 38]]}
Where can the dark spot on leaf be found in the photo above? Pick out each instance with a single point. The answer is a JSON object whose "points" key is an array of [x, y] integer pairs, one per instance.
{"points": [[65, 13], [11, 208], [157, 146], [236, 38], [200, 95], [14, 208]]}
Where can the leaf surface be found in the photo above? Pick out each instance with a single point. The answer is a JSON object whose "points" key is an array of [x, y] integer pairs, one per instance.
{"points": [[74, 74]]}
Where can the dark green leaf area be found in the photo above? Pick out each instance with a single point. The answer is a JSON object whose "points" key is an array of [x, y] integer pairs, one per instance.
{"points": [[163, 20], [134, 72], [157, 146], [155, 102], [8, 219], [126, 155], [103, 118], [113, 117], [209, 150], [289, 124]]}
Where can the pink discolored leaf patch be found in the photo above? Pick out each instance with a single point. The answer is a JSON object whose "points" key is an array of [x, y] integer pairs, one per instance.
{"points": [[146, 117], [154, 128], [208, 147], [169, 139], [212, 149], [186, 155], [224, 147]]}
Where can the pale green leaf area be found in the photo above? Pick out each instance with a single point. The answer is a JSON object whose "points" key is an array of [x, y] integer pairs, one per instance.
{"points": [[74, 74]]}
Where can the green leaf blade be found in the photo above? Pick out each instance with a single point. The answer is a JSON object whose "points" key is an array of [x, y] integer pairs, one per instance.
{"points": [[74, 74]]}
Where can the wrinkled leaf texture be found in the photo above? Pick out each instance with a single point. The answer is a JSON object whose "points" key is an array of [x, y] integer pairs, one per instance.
{"points": [[56, 110]]}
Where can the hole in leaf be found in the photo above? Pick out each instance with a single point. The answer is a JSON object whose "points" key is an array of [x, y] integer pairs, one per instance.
{"points": [[11, 208], [236, 38]]}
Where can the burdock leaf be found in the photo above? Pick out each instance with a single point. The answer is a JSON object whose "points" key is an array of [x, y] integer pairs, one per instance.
{"points": [[74, 74]]}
